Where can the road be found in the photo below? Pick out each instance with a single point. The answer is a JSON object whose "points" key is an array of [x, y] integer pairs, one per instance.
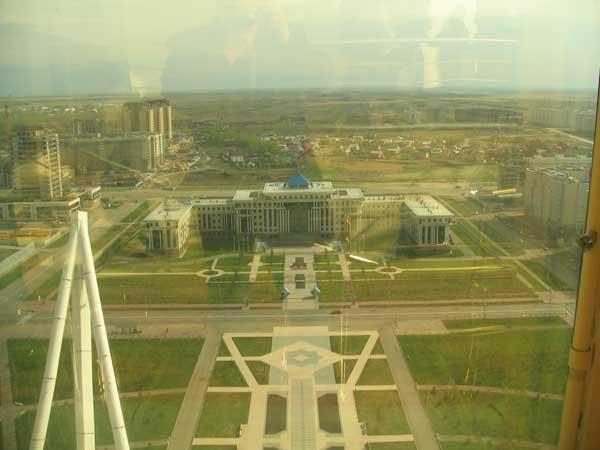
{"points": [[572, 136], [370, 187]]}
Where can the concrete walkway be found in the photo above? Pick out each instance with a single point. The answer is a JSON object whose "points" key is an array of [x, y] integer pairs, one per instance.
{"points": [[345, 266], [254, 268], [415, 413], [299, 298], [193, 401]]}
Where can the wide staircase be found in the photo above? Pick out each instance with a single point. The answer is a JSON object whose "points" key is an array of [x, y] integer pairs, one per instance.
{"points": [[303, 426]]}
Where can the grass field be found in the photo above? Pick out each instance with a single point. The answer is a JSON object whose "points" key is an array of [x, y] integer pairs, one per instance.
{"points": [[521, 354], [468, 324], [226, 373], [146, 418], [214, 423], [329, 413], [381, 411], [276, 414], [234, 263], [376, 371], [393, 446], [260, 370], [253, 346], [534, 360], [140, 364], [348, 345], [503, 416], [442, 285], [150, 289]]}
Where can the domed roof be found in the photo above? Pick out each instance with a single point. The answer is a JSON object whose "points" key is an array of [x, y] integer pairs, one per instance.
{"points": [[298, 181]]}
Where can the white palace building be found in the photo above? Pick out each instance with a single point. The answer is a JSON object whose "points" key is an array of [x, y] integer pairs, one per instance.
{"points": [[298, 207]]}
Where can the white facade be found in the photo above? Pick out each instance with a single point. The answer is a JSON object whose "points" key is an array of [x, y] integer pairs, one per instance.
{"points": [[318, 208], [168, 228], [557, 200]]}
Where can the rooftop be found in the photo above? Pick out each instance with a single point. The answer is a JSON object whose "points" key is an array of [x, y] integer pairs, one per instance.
{"points": [[170, 210], [426, 206]]}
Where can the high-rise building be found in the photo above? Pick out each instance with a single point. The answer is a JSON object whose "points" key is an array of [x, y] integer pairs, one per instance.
{"points": [[557, 200], [37, 171], [143, 152], [511, 169], [154, 116]]}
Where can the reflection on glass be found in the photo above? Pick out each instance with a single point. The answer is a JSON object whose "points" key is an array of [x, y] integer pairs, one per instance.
{"points": [[312, 225]]}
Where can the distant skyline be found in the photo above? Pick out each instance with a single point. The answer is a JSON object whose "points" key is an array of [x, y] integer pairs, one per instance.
{"points": [[141, 47]]}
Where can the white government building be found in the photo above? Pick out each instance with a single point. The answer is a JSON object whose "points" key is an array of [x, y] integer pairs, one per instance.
{"points": [[298, 207]]}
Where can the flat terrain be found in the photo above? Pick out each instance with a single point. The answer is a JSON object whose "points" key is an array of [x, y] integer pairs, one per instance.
{"points": [[510, 368]]}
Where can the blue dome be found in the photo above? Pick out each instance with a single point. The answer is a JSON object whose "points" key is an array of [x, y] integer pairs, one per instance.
{"points": [[298, 181]]}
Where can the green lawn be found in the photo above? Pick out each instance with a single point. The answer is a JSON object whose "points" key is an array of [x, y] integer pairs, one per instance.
{"points": [[265, 292], [406, 263], [276, 414], [260, 370], [376, 371], [329, 413], [348, 345], [165, 289], [253, 346], [326, 258], [140, 364], [534, 360], [231, 263], [443, 285], [329, 275], [333, 291], [470, 446], [272, 262], [539, 267], [223, 350], [222, 414], [276, 277], [381, 411], [503, 416], [473, 238], [508, 323], [342, 371], [393, 446], [147, 418], [226, 373]]}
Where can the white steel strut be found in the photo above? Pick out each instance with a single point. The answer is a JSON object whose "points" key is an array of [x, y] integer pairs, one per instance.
{"points": [[80, 286]]}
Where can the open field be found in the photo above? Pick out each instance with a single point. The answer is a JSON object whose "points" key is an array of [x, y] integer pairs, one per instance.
{"points": [[348, 345], [253, 346], [381, 411], [140, 364], [146, 418], [519, 354], [149, 289], [376, 371], [479, 414], [213, 423], [226, 373], [133, 257], [495, 356], [426, 285]]}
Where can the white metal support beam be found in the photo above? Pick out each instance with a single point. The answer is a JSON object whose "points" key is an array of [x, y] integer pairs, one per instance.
{"points": [[82, 361], [79, 284]]}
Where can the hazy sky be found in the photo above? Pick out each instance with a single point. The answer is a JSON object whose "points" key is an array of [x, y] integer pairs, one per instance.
{"points": [[154, 45]]}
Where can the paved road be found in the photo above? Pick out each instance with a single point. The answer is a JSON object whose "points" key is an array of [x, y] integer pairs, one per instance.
{"points": [[371, 187], [416, 416], [193, 402]]}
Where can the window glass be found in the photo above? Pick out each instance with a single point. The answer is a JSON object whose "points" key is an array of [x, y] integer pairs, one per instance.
{"points": [[291, 224]]}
